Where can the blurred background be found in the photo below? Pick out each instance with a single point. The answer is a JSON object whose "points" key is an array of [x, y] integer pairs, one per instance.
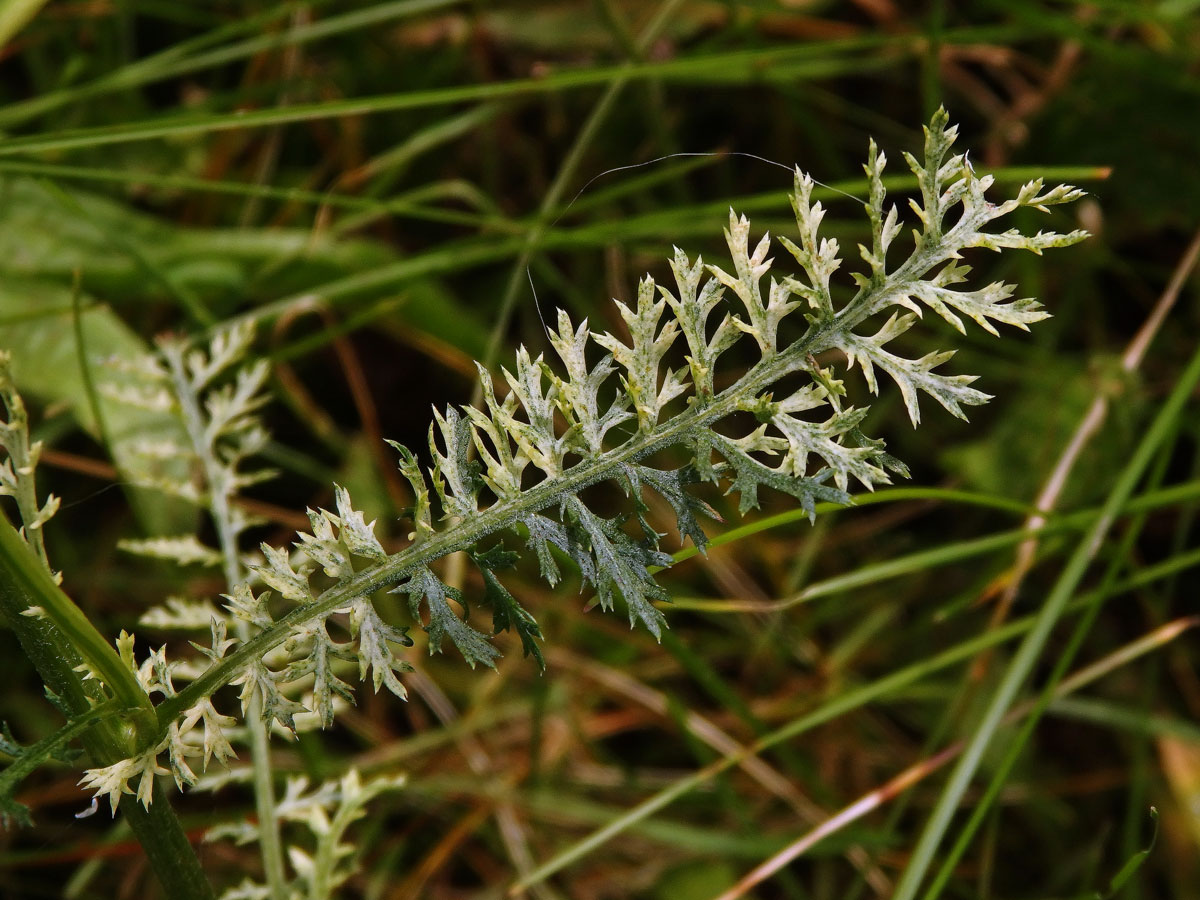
{"points": [[383, 187]]}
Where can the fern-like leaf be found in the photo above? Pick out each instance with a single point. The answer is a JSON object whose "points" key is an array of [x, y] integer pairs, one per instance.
{"points": [[523, 459]]}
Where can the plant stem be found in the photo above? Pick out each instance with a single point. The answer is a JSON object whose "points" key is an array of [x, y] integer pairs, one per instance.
{"points": [[168, 849], [27, 583], [215, 480], [58, 642], [15, 438], [33, 756]]}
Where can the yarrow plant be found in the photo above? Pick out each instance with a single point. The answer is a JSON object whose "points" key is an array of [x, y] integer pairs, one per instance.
{"points": [[520, 464]]}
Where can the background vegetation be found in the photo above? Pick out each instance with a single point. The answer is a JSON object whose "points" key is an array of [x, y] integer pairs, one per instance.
{"points": [[381, 187]]}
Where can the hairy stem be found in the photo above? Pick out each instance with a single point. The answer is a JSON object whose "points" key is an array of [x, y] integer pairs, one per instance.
{"points": [[56, 644], [219, 508], [27, 584], [34, 756]]}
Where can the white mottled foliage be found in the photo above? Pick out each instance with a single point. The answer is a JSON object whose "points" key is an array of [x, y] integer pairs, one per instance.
{"points": [[546, 431]]}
